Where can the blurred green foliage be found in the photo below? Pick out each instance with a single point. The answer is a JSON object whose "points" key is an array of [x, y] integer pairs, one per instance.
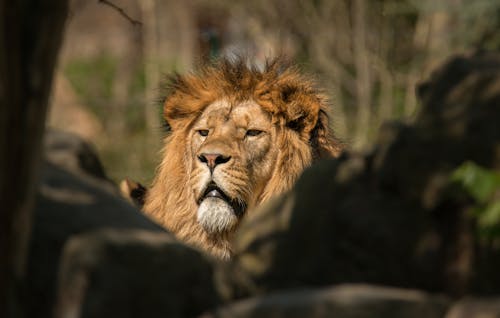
{"points": [[92, 79], [483, 186], [135, 156], [133, 152], [368, 56]]}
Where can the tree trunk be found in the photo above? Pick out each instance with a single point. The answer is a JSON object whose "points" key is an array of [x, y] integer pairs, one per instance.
{"points": [[363, 74], [30, 36]]}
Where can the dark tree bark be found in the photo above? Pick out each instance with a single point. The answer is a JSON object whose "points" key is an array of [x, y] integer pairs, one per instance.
{"points": [[30, 36]]}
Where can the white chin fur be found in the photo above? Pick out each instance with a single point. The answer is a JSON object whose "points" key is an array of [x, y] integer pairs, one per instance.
{"points": [[216, 215]]}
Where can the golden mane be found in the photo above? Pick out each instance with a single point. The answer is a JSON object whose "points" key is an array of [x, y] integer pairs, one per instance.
{"points": [[296, 107]]}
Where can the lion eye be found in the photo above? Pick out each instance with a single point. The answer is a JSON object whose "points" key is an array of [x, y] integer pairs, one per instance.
{"points": [[203, 132], [253, 132]]}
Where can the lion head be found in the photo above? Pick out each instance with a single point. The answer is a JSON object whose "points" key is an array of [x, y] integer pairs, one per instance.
{"points": [[239, 135]]}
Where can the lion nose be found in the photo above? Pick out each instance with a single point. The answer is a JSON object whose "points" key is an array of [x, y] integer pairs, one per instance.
{"points": [[213, 159]]}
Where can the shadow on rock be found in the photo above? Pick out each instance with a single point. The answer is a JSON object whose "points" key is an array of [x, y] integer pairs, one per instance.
{"points": [[92, 254], [387, 217]]}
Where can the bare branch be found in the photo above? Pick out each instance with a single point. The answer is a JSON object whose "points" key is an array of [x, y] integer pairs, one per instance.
{"points": [[121, 12]]}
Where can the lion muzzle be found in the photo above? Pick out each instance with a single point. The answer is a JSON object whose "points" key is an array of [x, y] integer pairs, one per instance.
{"points": [[217, 212], [216, 215]]}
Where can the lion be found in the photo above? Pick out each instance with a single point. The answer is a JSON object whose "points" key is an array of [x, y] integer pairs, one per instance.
{"points": [[239, 135]]}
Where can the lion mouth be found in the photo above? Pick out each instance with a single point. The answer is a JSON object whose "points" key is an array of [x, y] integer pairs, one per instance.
{"points": [[214, 192]]}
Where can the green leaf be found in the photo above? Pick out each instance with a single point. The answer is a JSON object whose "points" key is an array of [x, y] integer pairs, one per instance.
{"points": [[479, 182], [490, 215]]}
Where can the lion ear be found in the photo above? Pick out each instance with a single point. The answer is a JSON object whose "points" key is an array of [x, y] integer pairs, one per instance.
{"points": [[301, 108], [175, 117], [166, 126], [179, 104], [306, 114], [169, 121], [133, 192], [322, 140]]}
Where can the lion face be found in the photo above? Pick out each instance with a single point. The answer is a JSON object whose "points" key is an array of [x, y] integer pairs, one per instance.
{"points": [[232, 156], [238, 136]]}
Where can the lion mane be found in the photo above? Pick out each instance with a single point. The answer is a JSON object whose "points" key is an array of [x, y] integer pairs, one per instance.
{"points": [[297, 110]]}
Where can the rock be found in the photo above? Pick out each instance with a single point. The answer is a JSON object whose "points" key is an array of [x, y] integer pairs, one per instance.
{"points": [[344, 301], [475, 308], [74, 201], [117, 273], [458, 122], [70, 152], [332, 229], [387, 217]]}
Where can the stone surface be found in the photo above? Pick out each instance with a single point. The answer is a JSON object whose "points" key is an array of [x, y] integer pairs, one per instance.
{"points": [[344, 301], [488, 307], [74, 200], [70, 152], [117, 273], [387, 217]]}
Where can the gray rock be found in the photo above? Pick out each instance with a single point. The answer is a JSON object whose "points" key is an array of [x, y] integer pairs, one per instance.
{"points": [[388, 217], [123, 273], [74, 201], [344, 301], [72, 153], [487, 307]]}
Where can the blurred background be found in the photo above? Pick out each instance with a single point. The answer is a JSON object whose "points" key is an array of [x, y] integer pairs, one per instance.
{"points": [[369, 55]]}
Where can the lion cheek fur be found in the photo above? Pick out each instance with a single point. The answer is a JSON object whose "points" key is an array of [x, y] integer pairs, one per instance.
{"points": [[216, 216]]}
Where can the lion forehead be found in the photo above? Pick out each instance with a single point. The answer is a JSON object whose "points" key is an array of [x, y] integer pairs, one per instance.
{"points": [[251, 114], [243, 114]]}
